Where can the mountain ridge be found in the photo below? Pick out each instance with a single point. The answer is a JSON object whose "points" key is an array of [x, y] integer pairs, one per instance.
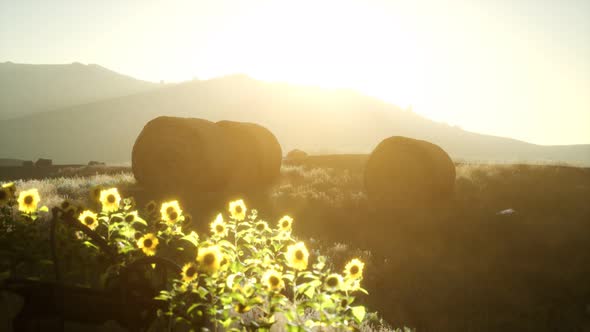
{"points": [[314, 119], [31, 88]]}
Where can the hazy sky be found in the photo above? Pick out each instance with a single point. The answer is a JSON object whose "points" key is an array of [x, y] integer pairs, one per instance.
{"points": [[516, 68]]}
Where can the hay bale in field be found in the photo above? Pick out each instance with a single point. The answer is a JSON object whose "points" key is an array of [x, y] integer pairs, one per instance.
{"points": [[296, 155], [404, 172], [257, 154], [41, 162], [181, 154]]}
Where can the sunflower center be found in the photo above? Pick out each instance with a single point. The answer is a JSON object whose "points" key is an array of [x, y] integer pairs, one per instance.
{"points": [[299, 255], [89, 220], [332, 282], [147, 243], [111, 198], [238, 209], [173, 215], [219, 228], [354, 269], [209, 259], [190, 272], [29, 200], [260, 227], [285, 224], [274, 281], [169, 210], [129, 218]]}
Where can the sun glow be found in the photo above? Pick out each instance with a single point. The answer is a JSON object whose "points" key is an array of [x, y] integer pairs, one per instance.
{"points": [[334, 45]]}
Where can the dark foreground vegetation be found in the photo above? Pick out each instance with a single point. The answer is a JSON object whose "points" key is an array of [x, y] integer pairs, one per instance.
{"points": [[510, 252]]}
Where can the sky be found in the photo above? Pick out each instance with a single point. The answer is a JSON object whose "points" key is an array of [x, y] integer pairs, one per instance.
{"points": [[512, 68]]}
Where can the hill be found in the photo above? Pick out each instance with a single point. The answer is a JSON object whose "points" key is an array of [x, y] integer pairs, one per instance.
{"points": [[26, 88], [313, 119]]}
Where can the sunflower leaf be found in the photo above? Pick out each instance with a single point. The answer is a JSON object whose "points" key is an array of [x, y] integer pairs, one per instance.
{"points": [[359, 313], [139, 221], [192, 237]]}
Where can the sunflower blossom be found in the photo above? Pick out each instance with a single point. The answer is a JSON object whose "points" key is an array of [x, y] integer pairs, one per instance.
{"points": [[110, 200], [333, 282], [218, 226], [148, 244], [89, 219], [297, 256], [285, 223], [209, 259], [189, 272], [354, 269], [170, 212], [237, 210], [273, 280], [28, 200]]}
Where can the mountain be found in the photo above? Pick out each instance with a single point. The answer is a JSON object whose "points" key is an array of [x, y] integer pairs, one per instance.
{"points": [[26, 88], [313, 119]]}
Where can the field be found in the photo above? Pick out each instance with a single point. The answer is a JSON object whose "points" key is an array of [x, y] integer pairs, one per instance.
{"points": [[509, 253]]}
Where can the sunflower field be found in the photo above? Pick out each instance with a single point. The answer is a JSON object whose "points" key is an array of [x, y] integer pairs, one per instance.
{"points": [[246, 274]]}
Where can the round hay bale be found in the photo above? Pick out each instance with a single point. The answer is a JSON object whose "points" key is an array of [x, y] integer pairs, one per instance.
{"points": [[181, 154], [296, 155], [256, 152], [403, 172]]}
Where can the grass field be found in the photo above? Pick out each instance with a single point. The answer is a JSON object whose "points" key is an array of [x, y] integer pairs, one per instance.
{"points": [[509, 253]]}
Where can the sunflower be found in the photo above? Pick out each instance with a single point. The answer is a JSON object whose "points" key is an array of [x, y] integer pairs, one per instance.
{"points": [[333, 282], [89, 219], [209, 259], [28, 200], [95, 193], [285, 223], [261, 226], [189, 272], [131, 217], [150, 207], [148, 243], [170, 212], [4, 196], [188, 218], [273, 280], [110, 200], [68, 207], [218, 226], [10, 186], [9, 190], [237, 210], [241, 308], [297, 256], [354, 269]]}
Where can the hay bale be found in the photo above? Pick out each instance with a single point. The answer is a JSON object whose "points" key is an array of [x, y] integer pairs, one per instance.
{"points": [[187, 155], [296, 155], [257, 154], [404, 172], [41, 162], [181, 154]]}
